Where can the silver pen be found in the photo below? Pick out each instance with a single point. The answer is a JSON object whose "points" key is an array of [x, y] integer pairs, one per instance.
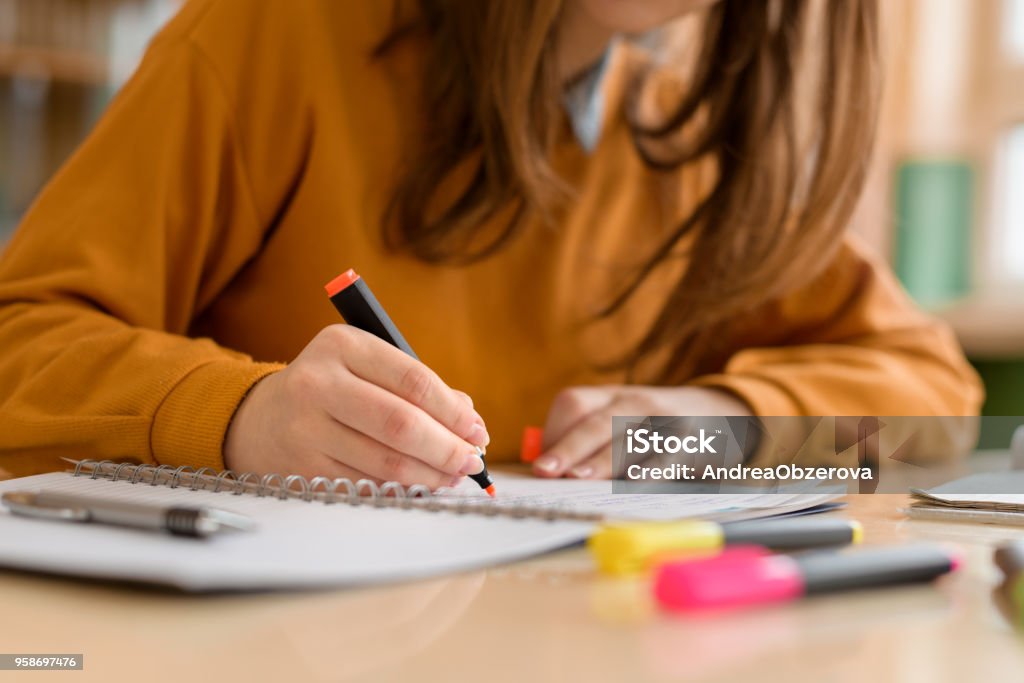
{"points": [[197, 522]]}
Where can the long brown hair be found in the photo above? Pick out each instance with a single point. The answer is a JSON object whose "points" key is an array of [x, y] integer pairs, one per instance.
{"points": [[786, 182]]}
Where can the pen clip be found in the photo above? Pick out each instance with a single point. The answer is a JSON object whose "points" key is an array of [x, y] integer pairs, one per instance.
{"points": [[25, 503]]}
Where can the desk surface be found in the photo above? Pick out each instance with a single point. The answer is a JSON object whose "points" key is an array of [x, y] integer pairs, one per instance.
{"points": [[550, 618]]}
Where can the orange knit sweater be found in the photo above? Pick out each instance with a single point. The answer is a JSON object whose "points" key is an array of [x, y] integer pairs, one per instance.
{"points": [[180, 255]]}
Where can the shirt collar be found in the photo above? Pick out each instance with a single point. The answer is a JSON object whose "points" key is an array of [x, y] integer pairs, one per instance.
{"points": [[584, 101]]}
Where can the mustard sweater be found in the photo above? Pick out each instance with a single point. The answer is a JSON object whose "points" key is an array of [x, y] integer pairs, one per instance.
{"points": [[179, 256]]}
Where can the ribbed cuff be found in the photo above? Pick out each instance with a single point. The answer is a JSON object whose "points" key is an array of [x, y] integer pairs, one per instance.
{"points": [[190, 425], [764, 398]]}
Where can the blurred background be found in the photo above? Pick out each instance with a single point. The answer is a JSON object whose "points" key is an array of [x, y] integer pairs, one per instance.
{"points": [[945, 201]]}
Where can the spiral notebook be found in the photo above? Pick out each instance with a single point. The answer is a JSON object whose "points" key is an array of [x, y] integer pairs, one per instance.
{"points": [[324, 532]]}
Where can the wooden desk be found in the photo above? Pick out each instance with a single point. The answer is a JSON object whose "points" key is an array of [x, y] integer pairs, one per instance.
{"points": [[546, 619]]}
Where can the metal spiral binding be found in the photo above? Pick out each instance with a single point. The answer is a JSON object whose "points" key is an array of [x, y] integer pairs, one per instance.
{"points": [[321, 489]]}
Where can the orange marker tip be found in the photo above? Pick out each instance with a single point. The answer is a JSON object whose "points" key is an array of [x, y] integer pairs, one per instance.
{"points": [[490, 491]]}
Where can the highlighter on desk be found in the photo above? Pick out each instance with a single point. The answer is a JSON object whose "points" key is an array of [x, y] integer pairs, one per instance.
{"points": [[532, 444], [1010, 559], [355, 302], [628, 548], [749, 575]]}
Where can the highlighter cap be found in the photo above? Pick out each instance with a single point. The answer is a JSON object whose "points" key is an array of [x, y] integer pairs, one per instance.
{"points": [[744, 575], [630, 548], [532, 445], [341, 282]]}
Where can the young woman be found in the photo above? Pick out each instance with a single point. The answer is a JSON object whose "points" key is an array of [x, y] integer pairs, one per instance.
{"points": [[565, 225]]}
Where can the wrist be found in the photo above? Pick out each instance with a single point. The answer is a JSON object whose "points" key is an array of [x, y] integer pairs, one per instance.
{"points": [[237, 443], [705, 401], [722, 402], [190, 426]]}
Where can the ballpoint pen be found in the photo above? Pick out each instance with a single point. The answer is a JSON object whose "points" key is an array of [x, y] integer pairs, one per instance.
{"points": [[197, 522]]}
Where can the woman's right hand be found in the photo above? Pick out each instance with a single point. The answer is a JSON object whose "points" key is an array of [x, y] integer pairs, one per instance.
{"points": [[352, 405]]}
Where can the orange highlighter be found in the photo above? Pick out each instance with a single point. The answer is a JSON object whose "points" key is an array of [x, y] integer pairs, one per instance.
{"points": [[530, 448], [355, 302]]}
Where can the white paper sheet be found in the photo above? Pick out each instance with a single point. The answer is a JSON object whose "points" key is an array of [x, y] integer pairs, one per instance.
{"points": [[597, 497]]}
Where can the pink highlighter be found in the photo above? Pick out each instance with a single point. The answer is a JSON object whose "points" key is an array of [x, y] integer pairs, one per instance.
{"points": [[751, 575]]}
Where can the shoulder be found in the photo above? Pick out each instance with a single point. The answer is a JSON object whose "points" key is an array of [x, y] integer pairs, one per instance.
{"points": [[221, 19], [241, 35]]}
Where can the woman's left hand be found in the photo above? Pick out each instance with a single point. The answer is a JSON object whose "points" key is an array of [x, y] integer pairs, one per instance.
{"points": [[578, 433]]}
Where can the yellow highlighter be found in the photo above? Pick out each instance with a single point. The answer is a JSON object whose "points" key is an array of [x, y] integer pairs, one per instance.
{"points": [[631, 547]]}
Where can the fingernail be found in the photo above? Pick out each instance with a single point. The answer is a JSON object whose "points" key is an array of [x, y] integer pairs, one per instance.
{"points": [[582, 472], [478, 435], [455, 481], [472, 464], [546, 463]]}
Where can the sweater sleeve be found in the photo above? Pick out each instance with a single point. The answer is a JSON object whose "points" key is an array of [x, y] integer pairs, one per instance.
{"points": [[849, 343], [139, 231]]}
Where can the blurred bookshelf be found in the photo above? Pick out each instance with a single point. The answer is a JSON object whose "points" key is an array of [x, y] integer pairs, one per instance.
{"points": [[60, 63]]}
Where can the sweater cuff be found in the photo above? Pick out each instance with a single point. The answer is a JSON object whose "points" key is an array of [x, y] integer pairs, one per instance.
{"points": [[190, 425], [765, 398]]}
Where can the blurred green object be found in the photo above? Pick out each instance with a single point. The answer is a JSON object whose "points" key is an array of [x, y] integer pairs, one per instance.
{"points": [[1004, 386], [934, 211], [1018, 599]]}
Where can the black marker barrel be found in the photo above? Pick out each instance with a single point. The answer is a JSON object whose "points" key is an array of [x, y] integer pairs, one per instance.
{"points": [[793, 534], [360, 309], [829, 572]]}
